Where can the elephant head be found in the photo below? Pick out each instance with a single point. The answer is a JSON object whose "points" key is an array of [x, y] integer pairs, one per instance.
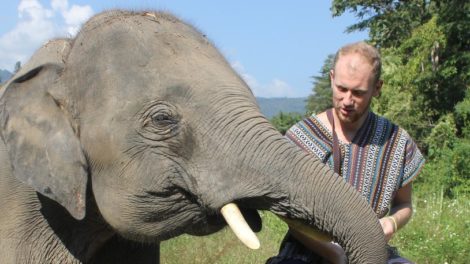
{"points": [[143, 112]]}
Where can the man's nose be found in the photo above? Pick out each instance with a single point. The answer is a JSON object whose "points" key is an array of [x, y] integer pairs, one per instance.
{"points": [[348, 99]]}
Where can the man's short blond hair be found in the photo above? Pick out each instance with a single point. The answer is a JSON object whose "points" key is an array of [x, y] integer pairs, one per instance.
{"points": [[368, 52]]}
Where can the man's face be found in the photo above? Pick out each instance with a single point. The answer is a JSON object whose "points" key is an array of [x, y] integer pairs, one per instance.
{"points": [[353, 88]]}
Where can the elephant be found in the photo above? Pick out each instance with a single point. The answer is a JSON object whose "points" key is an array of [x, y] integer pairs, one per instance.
{"points": [[138, 130]]}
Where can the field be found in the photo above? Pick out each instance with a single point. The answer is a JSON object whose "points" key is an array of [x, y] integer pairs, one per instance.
{"points": [[439, 231]]}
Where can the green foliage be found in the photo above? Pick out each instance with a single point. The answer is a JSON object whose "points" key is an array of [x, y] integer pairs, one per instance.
{"points": [[454, 17], [460, 181], [462, 116], [448, 171], [283, 121], [421, 85], [449, 162], [442, 137], [426, 59], [320, 99], [388, 22], [412, 95]]}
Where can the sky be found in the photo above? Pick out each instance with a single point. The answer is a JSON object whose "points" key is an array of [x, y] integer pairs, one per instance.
{"points": [[276, 46]]}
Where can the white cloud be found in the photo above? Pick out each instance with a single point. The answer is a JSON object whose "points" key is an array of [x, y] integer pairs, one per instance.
{"points": [[59, 4], [73, 16], [37, 24], [32, 9], [274, 88]]}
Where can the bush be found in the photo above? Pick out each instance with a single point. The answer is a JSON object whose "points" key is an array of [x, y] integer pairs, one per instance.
{"points": [[448, 165], [283, 121]]}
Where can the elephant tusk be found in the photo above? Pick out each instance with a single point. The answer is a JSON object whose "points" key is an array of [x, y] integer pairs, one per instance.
{"points": [[306, 230], [239, 226]]}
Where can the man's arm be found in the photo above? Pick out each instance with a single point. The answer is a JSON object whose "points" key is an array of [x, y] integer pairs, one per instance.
{"points": [[332, 252], [400, 212]]}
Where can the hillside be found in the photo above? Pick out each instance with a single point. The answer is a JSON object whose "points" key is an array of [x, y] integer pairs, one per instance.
{"points": [[272, 106], [4, 75]]}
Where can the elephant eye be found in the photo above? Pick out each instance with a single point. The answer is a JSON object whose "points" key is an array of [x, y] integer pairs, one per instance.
{"points": [[162, 119], [159, 121]]}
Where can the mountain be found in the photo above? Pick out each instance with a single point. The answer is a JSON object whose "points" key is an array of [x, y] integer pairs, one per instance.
{"points": [[272, 106], [5, 75]]}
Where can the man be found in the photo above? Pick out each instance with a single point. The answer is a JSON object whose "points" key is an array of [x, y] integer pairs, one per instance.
{"points": [[375, 156]]}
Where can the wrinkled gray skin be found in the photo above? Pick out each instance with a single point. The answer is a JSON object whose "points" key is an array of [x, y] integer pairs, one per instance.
{"points": [[138, 131]]}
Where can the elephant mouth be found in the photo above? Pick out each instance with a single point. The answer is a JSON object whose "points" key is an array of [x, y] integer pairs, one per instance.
{"points": [[242, 221], [245, 220]]}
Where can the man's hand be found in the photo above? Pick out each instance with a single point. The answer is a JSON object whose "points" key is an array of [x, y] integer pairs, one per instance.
{"points": [[388, 226], [328, 250], [400, 213]]}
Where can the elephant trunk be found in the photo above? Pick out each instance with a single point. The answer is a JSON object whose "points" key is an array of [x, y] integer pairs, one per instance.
{"points": [[322, 199], [297, 186]]}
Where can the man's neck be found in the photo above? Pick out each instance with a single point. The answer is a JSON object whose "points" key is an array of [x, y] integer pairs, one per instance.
{"points": [[346, 131]]}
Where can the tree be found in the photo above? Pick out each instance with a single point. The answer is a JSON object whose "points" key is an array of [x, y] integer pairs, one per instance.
{"points": [[388, 21], [320, 99], [462, 116], [283, 121], [426, 72], [425, 45], [410, 95], [17, 67]]}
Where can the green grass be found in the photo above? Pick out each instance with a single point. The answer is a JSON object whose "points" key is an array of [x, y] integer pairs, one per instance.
{"points": [[224, 247], [439, 232]]}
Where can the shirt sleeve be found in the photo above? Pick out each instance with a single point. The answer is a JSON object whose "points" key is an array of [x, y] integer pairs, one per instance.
{"points": [[301, 134], [414, 162]]}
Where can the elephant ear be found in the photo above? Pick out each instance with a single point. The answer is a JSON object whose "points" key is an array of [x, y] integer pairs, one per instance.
{"points": [[44, 151]]}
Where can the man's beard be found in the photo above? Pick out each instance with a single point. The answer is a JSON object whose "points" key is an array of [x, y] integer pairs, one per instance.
{"points": [[354, 116]]}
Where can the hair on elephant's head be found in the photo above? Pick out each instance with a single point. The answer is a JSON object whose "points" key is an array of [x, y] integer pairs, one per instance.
{"points": [[143, 112]]}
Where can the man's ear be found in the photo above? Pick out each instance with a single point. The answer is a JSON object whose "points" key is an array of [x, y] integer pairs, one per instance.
{"points": [[378, 88], [332, 78], [43, 147]]}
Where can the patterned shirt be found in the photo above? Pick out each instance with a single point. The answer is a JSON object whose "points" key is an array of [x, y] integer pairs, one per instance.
{"points": [[380, 159]]}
